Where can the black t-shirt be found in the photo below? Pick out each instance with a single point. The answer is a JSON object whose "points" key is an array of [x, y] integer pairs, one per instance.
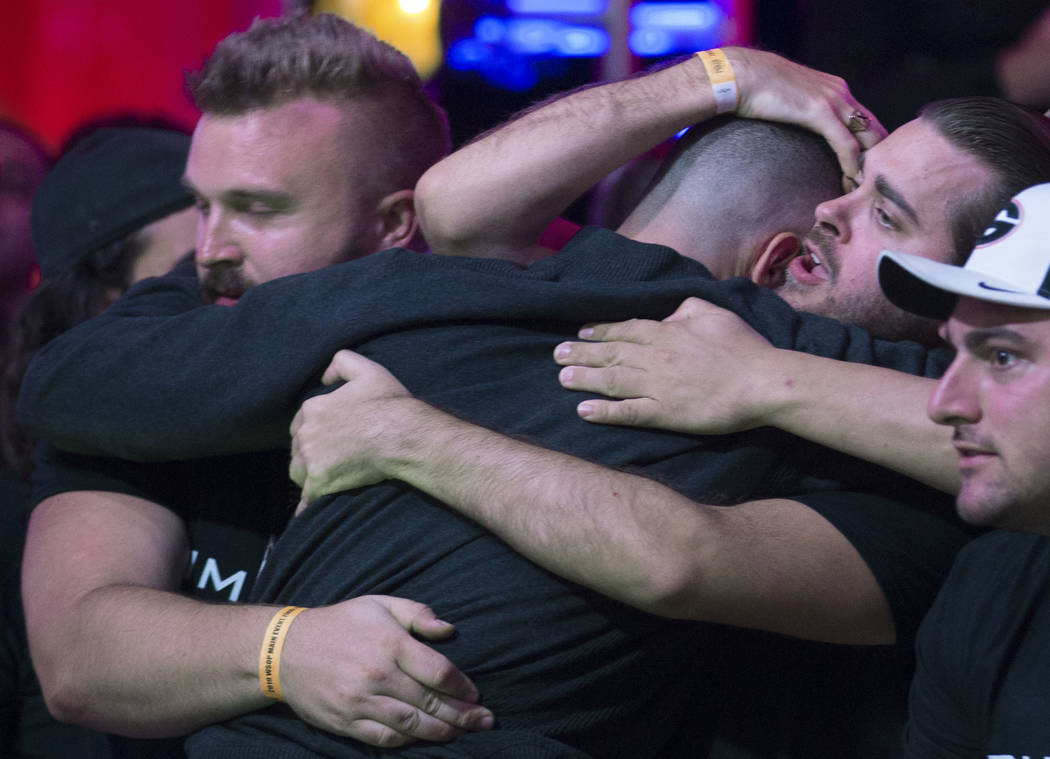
{"points": [[231, 506], [980, 689], [473, 337], [26, 728]]}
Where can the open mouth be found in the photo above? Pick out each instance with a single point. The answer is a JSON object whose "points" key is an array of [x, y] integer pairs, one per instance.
{"points": [[220, 297], [809, 267]]}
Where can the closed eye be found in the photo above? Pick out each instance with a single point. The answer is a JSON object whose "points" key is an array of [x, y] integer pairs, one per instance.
{"points": [[885, 220]]}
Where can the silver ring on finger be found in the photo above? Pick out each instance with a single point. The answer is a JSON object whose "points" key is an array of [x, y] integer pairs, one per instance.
{"points": [[858, 121]]}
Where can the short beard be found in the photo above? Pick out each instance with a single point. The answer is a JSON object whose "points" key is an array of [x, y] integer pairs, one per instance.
{"points": [[873, 312]]}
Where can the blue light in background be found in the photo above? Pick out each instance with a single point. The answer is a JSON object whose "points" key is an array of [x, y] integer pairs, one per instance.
{"points": [[467, 54], [582, 41], [698, 16], [665, 28], [531, 37], [490, 29], [650, 42], [510, 50], [557, 7]]}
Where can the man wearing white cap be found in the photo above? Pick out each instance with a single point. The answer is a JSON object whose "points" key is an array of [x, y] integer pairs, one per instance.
{"points": [[980, 687]]}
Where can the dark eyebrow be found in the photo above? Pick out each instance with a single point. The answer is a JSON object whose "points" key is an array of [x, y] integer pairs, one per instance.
{"points": [[892, 194], [978, 338]]}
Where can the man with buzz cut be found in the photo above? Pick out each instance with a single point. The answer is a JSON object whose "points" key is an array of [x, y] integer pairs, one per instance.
{"points": [[981, 684]]}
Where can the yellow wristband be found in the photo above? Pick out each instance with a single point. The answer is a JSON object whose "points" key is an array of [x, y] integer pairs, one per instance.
{"points": [[270, 656], [723, 81]]}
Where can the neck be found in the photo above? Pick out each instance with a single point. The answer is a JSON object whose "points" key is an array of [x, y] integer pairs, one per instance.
{"points": [[721, 262]]}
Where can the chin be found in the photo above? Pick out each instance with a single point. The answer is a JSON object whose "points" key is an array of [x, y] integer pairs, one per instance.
{"points": [[800, 297], [986, 507]]}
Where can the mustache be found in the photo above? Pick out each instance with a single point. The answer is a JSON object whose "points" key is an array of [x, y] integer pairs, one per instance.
{"points": [[972, 436], [228, 282], [822, 240]]}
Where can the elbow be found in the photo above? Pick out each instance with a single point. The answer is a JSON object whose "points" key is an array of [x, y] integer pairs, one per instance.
{"points": [[72, 697], [670, 589], [445, 219], [67, 698], [437, 222]]}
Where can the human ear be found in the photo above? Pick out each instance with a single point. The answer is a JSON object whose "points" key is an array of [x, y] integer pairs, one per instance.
{"points": [[768, 269], [396, 219]]}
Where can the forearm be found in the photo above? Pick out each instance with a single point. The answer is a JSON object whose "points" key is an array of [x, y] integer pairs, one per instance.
{"points": [[146, 663], [499, 193], [875, 414], [773, 565], [113, 647], [150, 379]]}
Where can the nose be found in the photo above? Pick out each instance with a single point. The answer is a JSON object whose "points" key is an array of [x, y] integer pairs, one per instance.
{"points": [[833, 217], [216, 245], [955, 399]]}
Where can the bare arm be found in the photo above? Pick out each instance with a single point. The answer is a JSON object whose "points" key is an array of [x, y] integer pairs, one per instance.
{"points": [[775, 565], [704, 371], [116, 650], [496, 195]]}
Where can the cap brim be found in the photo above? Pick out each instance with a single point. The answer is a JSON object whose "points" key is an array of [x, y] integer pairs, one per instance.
{"points": [[931, 288]]}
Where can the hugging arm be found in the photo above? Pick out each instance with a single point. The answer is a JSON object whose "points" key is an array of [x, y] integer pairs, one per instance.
{"points": [[774, 564], [496, 195], [704, 371], [117, 649]]}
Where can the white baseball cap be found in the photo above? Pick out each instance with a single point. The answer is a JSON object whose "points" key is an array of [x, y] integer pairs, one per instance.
{"points": [[1010, 264]]}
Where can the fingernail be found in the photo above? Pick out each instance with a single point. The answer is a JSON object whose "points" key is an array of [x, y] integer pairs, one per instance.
{"points": [[561, 351], [487, 721], [586, 332], [565, 375], [585, 409]]}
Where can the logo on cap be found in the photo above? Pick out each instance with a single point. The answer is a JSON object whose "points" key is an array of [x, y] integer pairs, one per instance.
{"points": [[1003, 224]]}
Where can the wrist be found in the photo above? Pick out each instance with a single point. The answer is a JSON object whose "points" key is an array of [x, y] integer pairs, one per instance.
{"points": [[411, 432], [272, 647], [722, 79], [784, 390]]}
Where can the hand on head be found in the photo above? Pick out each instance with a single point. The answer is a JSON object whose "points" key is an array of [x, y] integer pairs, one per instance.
{"points": [[774, 88]]}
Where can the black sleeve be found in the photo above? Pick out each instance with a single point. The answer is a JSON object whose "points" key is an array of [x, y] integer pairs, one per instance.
{"points": [[909, 547], [155, 378], [159, 377], [942, 723], [58, 472]]}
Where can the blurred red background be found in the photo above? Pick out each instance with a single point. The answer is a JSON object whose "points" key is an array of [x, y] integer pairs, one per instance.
{"points": [[55, 75]]}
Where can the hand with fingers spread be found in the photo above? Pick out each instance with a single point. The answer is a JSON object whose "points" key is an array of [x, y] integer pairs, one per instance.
{"points": [[336, 437], [355, 669], [774, 88], [699, 371]]}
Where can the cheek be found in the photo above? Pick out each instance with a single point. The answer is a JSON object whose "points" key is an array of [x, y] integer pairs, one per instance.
{"points": [[1022, 429], [292, 250], [858, 280]]}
